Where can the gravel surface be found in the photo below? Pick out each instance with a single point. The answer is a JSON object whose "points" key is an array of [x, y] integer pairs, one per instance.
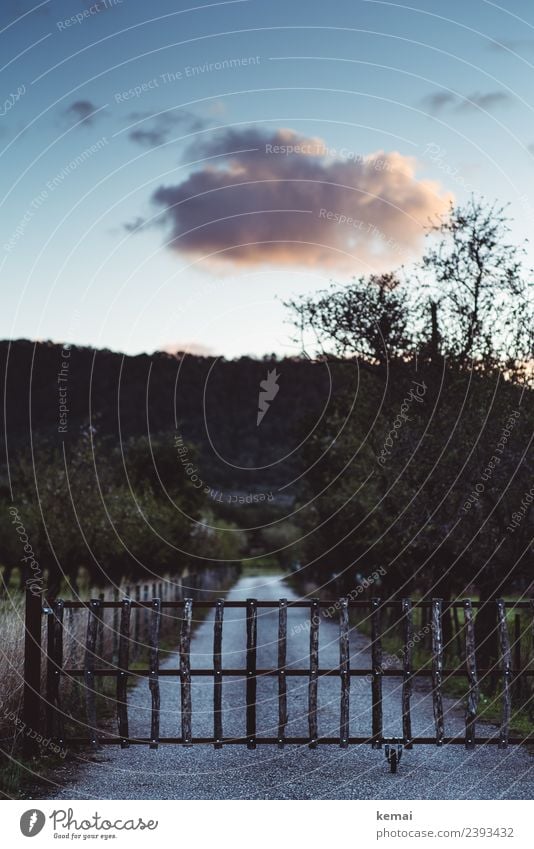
{"points": [[296, 772]]}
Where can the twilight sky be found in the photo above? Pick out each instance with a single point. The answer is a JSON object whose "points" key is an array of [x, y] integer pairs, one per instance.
{"points": [[170, 172]]}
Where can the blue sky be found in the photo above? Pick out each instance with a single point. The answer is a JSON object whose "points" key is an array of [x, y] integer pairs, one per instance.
{"points": [[140, 207]]}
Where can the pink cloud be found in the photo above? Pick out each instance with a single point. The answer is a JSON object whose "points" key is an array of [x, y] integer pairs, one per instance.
{"points": [[285, 199]]}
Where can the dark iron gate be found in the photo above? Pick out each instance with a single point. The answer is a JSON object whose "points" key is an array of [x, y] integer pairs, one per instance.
{"points": [[44, 708]]}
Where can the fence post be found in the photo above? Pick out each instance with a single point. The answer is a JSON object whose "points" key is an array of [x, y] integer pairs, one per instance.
{"points": [[31, 707]]}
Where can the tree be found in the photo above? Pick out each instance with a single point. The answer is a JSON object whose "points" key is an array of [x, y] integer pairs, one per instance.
{"points": [[477, 302], [369, 318]]}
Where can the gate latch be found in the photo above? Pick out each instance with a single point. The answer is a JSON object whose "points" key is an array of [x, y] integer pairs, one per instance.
{"points": [[393, 755]]}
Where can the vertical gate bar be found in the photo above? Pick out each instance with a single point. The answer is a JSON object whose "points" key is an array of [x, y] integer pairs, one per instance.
{"points": [[122, 672], [472, 678], [252, 634], [282, 680], [89, 667], [155, 627], [314, 670], [437, 668], [50, 640], [504, 644], [32, 671], [144, 634], [376, 681], [137, 622], [115, 626], [217, 672], [100, 630], [407, 661], [344, 670], [185, 670], [518, 679], [56, 731]]}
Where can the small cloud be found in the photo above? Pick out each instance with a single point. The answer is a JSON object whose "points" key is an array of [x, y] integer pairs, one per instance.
{"points": [[484, 101], [135, 225], [440, 101], [506, 45], [195, 348], [82, 113], [154, 130]]}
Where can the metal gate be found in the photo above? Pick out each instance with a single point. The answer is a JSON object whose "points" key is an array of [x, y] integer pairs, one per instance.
{"points": [[44, 708]]}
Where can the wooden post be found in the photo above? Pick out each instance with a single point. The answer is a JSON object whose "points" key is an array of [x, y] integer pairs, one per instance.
{"points": [[137, 622], [31, 708], [314, 672], [344, 671], [217, 673], [437, 669], [53, 673], [185, 670], [251, 672], [115, 626], [407, 660], [155, 625], [122, 673], [518, 680], [376, 681], [504, 644], [89, 666], [100, 633], [282, 680], [471, 668]]}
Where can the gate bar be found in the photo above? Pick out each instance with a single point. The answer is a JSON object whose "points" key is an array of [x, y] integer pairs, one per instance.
{"points": [[301, 741], [185, 670], [122, 673], [376, 682], [252, 634], [217, 672], [302, 671], [407, 657], [471, 667], [205, 605], [344, 668], [504, 643], [314, 672], [153, 683], [437, 669], [53, 672], [282, 681], [89, 667]]}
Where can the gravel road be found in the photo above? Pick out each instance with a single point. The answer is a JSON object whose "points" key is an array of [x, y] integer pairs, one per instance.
{"points": [[296, 772]]}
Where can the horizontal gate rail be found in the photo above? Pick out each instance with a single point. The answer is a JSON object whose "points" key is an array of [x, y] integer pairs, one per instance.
{"points": [[511, 669], [301, 671], [304, 741], [205, 605]]}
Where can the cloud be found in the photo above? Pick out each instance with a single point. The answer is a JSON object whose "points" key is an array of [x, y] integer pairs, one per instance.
{"points": [[484, 101], [195, 348], [82, 112], [511, 44], [439, 101], [154, 130], [285, 199]]}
